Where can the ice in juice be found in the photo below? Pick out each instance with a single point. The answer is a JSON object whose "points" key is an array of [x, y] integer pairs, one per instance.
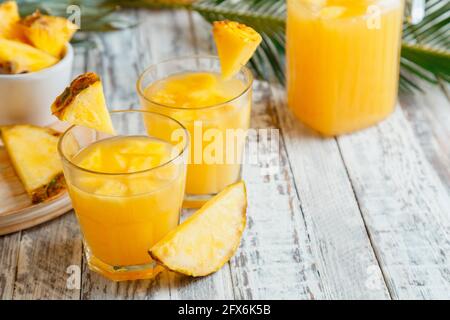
{"points": [[132, 204], [343, 61], [204, 102]]}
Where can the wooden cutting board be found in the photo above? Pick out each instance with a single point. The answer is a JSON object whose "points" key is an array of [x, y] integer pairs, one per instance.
{"points": [[16, 210]]}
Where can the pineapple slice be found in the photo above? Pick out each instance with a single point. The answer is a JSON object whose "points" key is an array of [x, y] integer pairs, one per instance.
{"points": [[18, 57], [33, 153], [48, 33], [83, 103], [235, 44], [9, 18], [204, 242]]}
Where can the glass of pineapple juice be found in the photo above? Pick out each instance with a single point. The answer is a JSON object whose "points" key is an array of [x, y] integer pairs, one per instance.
{"points": [[343, 61], [215, 111], [127, 190]]}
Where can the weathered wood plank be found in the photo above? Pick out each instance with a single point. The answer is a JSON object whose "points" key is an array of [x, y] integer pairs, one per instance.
{"points": [[405, 205], [202, 34], [275, 259], [95, 287], [215, 286], [9, 252], [46, 252], [339, 242], [429, 115]]}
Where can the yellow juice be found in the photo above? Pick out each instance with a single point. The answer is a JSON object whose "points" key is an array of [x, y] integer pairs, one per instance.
{"points": [[209, 108], [343, 61], [130, 206]]}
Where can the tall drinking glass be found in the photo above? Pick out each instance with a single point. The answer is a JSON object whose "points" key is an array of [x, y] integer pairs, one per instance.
{"points": [[216, 113], [127, 190]]}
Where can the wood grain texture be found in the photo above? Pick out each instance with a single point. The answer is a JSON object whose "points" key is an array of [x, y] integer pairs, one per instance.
{"points": [[46, 252], [275, 260], [405, 205], [429, 115], [340, 243], [9, 252]]}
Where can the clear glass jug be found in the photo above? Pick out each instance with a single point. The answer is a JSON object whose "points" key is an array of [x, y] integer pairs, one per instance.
{"points": [[343, 61]]}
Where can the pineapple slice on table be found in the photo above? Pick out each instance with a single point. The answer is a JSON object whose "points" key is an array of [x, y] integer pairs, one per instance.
{"points": [[83, 103], [204, 242], [9, 18], [48, 33], [235, 44], [33, 153], [17, 57]]}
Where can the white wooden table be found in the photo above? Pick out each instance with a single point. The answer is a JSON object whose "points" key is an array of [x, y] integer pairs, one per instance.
{"points": [[364, 216]]}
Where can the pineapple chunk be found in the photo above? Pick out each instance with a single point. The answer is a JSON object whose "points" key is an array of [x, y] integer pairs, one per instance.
{"points": [[204, 242], [33, 153], [235, 44], [9, 18], [48, 33], [18, 57], [83, 103]]}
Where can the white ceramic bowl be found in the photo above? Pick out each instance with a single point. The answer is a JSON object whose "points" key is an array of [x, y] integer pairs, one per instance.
{"points": [[27, 97]]}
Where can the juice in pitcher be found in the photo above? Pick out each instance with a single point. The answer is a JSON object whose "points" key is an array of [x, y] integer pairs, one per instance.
{"points": [[343, 62], [216, 112], [127, 191]]}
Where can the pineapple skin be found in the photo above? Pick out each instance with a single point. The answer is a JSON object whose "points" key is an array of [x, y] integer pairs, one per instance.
{"points": [[17, 57], [53, 188], [83, 103], [45, 191], [48, 33], [77, 85]]}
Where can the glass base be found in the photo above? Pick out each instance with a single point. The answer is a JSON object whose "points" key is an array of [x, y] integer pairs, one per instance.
{"points": [[192, 201], [122, 273]]}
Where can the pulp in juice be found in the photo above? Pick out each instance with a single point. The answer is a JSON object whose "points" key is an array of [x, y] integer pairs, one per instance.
{"points": [[343, 61], [204, 102], [129, 199]]}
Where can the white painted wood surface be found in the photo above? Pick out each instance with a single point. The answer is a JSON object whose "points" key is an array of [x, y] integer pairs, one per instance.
{"points": [[360, 216]]}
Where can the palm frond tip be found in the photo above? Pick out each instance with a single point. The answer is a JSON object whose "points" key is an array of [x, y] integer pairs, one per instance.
{"points": [[425, 47]]}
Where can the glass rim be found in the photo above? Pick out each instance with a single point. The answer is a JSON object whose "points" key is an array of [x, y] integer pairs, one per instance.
{"points": [[172, 159], [243, 69]]}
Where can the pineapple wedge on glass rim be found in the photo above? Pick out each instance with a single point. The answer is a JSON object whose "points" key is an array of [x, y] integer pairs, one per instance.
{"points": [[205, 241], [235, 44], [33, 153], [48, 33], [17, 57], [83, 103]]}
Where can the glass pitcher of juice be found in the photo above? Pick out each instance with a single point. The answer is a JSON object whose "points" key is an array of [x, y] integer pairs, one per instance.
{"points": [[343, 62]]}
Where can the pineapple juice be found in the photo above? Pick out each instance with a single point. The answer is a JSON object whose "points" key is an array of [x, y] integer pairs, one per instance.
{"points": [[130, 206], [343, 61], [208, 107]]}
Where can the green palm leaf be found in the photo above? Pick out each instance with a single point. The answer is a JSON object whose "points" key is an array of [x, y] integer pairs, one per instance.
{"points": [[97, 15], [425, 48]]}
